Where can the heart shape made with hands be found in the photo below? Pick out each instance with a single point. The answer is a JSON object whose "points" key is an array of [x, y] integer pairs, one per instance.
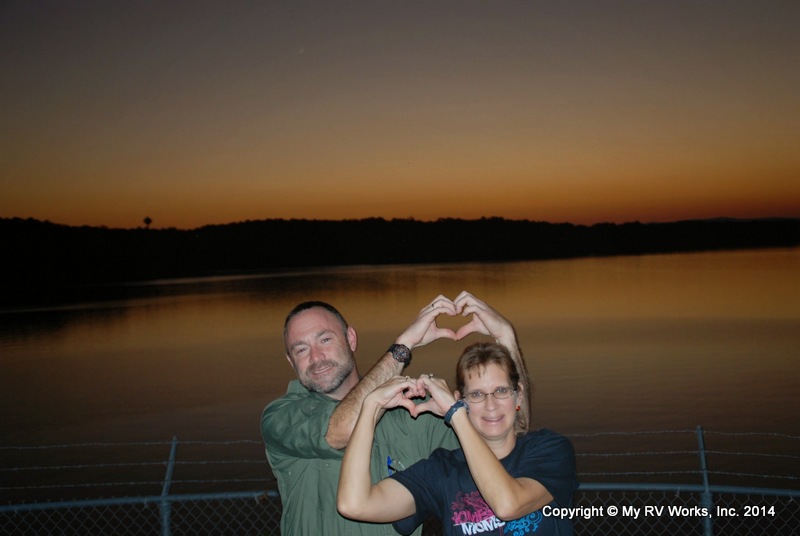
{"points": [[436, 394], [454, 323], [447, 316]]}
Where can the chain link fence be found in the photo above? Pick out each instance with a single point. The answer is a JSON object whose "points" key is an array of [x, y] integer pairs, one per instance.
{"points": [[597, 510], [224, 513], [649, 495]]}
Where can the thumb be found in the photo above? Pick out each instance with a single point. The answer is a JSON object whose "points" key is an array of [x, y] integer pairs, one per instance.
{"points": [[465, 330], [409, 405], [422, 407]]}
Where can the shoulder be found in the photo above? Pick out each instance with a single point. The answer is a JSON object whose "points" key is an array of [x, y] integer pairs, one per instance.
{"points": [[544, 438], [297, 396], [548, 458], [544, 446], [295, 407]]}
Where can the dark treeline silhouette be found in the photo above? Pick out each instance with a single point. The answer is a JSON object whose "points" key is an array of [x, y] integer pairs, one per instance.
{"points": [[42, 261]]}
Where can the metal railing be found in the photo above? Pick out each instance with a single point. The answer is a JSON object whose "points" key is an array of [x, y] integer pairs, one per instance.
{"points": [[655, 500]]}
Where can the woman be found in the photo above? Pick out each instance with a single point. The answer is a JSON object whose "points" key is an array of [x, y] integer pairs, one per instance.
{"points": [[496, 483]]}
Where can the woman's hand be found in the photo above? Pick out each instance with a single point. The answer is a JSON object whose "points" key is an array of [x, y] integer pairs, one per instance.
{"points": [[441, 398], [397, 391]]}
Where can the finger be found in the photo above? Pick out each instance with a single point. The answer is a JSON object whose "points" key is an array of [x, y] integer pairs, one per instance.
{"points": [[414, 392], [473, 326], [438, 301], [445, 333], [475, 308], [426, 380], [437, 308], [409, 383], [429, 314], [465, 299], [401, 383], [464, 295], [465, 330], [437, 387], [421, 382]]}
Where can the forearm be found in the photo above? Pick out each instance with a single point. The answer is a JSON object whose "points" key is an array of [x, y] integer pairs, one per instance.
{"points": [[421, 332], [344, 417], [355, 483], [508, 338]]}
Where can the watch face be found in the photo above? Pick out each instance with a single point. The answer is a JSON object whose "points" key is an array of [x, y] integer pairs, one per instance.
{"points": [[400, 353]]}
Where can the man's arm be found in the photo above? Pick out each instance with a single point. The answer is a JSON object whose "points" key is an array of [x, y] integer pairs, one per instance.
{"points": [[487, 321], [421, 332]]}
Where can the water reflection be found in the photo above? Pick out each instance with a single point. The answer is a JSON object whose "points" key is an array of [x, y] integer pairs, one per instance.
{"points": [[617, 343]]}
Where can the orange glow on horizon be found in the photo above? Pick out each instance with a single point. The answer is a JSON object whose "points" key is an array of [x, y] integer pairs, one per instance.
{"points": [[560, 113]]}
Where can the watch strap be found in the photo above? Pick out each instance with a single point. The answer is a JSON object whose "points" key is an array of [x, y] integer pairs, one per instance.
{"points": [[455, 407]]}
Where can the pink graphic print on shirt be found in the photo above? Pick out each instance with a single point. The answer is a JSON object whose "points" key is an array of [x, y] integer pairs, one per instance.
{"points": [[472, 513]]}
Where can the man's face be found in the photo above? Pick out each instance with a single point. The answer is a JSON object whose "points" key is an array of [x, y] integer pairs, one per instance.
{"points": [[321, 352]]}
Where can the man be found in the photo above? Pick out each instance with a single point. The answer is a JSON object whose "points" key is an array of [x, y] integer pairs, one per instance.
{"points": [[306, 430]]}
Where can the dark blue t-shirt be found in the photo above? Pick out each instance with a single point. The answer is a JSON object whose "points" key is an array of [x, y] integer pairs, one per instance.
{"points": [[443, 486]]}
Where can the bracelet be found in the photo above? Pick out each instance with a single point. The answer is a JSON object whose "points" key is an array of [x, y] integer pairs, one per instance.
{"points": [[455, 407]]}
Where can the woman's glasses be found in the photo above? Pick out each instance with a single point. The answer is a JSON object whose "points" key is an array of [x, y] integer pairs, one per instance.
{"points": [[500, 393]]}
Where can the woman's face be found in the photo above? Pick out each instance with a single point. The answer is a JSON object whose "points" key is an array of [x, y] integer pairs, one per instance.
{"points": [[493, 418]]}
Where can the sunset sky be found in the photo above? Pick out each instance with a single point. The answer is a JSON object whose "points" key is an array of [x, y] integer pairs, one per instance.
{"points": [[203, 112]]}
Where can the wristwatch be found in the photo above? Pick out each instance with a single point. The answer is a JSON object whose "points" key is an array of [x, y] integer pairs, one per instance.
{"points": [[455, 407], [401, 353]]}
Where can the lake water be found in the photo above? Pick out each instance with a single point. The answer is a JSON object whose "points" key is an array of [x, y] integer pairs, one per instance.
{"points": [[614, 344]]}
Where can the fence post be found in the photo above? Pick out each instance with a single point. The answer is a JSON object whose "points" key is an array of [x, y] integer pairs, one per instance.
{"points": [[706, 500], [166, 506]]}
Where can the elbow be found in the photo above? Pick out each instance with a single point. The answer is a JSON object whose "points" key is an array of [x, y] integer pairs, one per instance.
{"points": [[506, 513], [347, 507], [334, 444], [336, 441], [342, 506], [507, 507], [511, 509], [510, 512], [347, 499]]}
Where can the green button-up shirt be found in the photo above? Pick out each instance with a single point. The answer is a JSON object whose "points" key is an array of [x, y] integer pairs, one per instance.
{"points": [[307, 468]]}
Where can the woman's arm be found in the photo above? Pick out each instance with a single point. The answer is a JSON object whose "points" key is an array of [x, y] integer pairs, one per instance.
{"points": [[357, 497], [508, 497]]}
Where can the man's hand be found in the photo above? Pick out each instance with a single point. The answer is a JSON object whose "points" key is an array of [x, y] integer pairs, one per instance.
{"points": [[421, 332], [485, 320], [424, 329]]}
